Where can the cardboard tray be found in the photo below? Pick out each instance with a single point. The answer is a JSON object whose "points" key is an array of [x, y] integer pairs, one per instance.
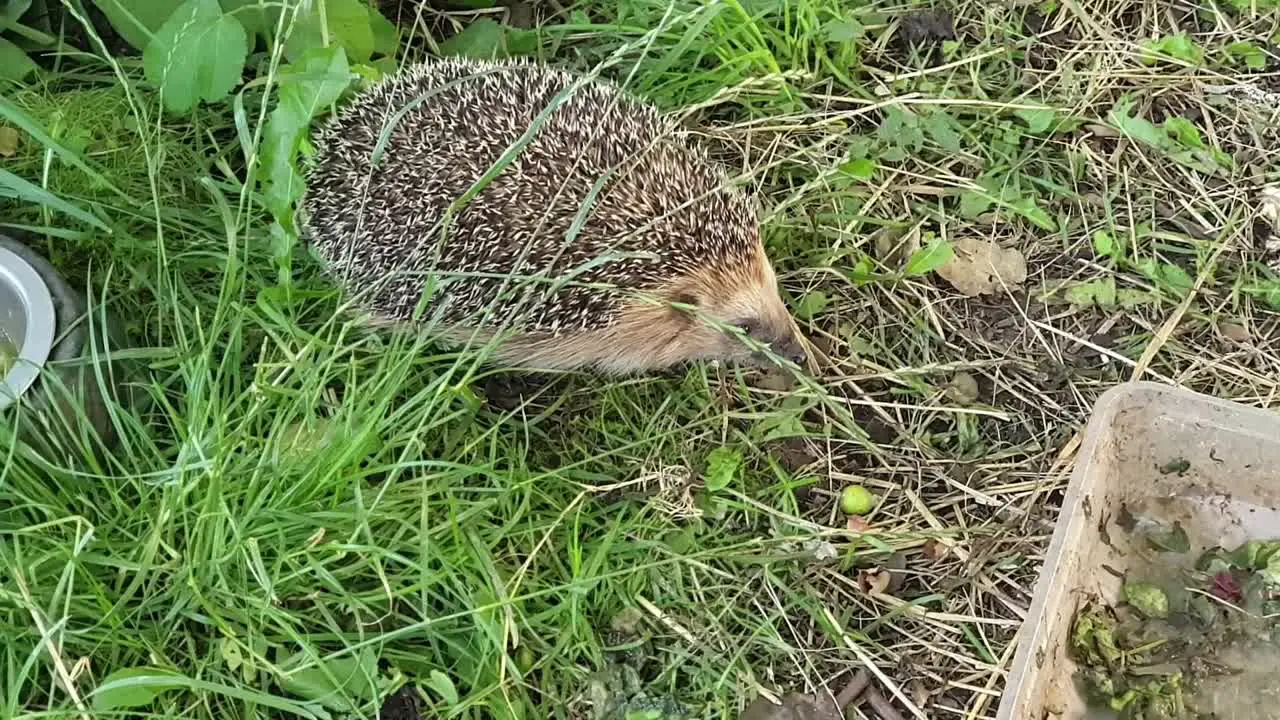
{"points": [[1228, 494]]}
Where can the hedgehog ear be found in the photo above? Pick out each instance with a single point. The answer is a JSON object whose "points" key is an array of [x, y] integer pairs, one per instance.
{"points": [[684, 297]]}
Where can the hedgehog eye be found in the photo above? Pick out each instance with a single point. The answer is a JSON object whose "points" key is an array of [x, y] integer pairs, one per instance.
{"points": [[748, 327]]}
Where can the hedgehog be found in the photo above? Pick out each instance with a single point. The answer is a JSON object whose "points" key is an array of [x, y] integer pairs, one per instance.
{"points": [[550, 214]]}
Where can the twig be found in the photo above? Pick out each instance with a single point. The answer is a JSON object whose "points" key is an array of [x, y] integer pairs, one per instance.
{"points": [[853, 689], [882, 706]]}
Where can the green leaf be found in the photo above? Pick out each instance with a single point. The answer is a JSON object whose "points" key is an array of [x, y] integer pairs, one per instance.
{"points": [[1177, 278], [1027, 208], [256, 16], [1037, 120], [862, 169], [811, 304], [778, 427], [843, 30], [973, 203], [1253, 56], [1103, 244], [1101, 292], [137, 20], [1184, 132], [1271, 571], [346, 23], [443, 686], [14, 9], [1179, 46], [723, 466], [198, 54], [128, 688], [900, 129], [15, 64], [1135, 127], [386, 35], [941, 128], [334, 682], [483, 39], [930, 257], [313, 83]]}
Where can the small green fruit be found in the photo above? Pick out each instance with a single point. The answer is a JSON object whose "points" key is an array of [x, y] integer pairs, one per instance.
{"points": [[524, 659], [856, 500]]}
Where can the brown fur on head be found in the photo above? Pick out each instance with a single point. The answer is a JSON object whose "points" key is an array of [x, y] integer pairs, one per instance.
{"points": [[721, 305]]}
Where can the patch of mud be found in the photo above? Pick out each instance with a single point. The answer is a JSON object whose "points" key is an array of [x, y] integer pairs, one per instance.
{"points": [[926, 29], [404, 704]]}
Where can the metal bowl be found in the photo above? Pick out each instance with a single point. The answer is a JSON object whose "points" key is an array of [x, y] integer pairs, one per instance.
{"points": [[27, 324]]}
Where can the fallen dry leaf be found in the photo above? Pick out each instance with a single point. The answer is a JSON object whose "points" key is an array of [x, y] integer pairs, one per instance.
{"points": [[8, 141], [962, 388], [1269, 205], [934, 550], [980, 266], [857, 523], [794, 707], [874, 580], [776, 380], [1234, 331], [893, 246]]}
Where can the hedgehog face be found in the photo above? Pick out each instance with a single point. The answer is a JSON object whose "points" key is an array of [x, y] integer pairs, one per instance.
{"points": [[734, 306]]}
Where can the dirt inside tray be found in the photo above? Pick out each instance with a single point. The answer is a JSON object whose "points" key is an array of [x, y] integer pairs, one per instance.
{"points": [[1195, 633]]}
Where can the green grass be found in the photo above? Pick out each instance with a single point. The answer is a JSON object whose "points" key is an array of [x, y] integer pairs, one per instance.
{"points": [[292, 485]]}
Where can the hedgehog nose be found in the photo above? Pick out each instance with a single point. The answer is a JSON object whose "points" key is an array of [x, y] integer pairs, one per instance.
{"points": [[793, 351]]}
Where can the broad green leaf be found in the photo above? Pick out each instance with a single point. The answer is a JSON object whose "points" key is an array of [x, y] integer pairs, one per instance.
{"points": [[13, 9], [520, 41], [930, 257], [811, 304], [1184, 132], [1037, 121], [335, 682], [114, 694], [1027, 208], [198, 54], [1103, 244], [441, 683], [1179, 46], [862, 168], [386, 35], [137, 20], [1253, 56], [941, 129], [1271, 571], [308, 86], [843, 31], [348, 24], [483, 39], [15, 64], [255, 15], [723, 466], [1176, 278], [313, 83], [973, 203], [1135, 127], [778, 427], [1101, 292]]}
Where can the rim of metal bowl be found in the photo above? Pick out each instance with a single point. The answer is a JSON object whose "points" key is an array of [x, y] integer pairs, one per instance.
{"points": [[41, 319]]}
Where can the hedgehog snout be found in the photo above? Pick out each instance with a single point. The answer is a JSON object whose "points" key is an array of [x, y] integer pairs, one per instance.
{"points": [[786, 348], [791, 349]]}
